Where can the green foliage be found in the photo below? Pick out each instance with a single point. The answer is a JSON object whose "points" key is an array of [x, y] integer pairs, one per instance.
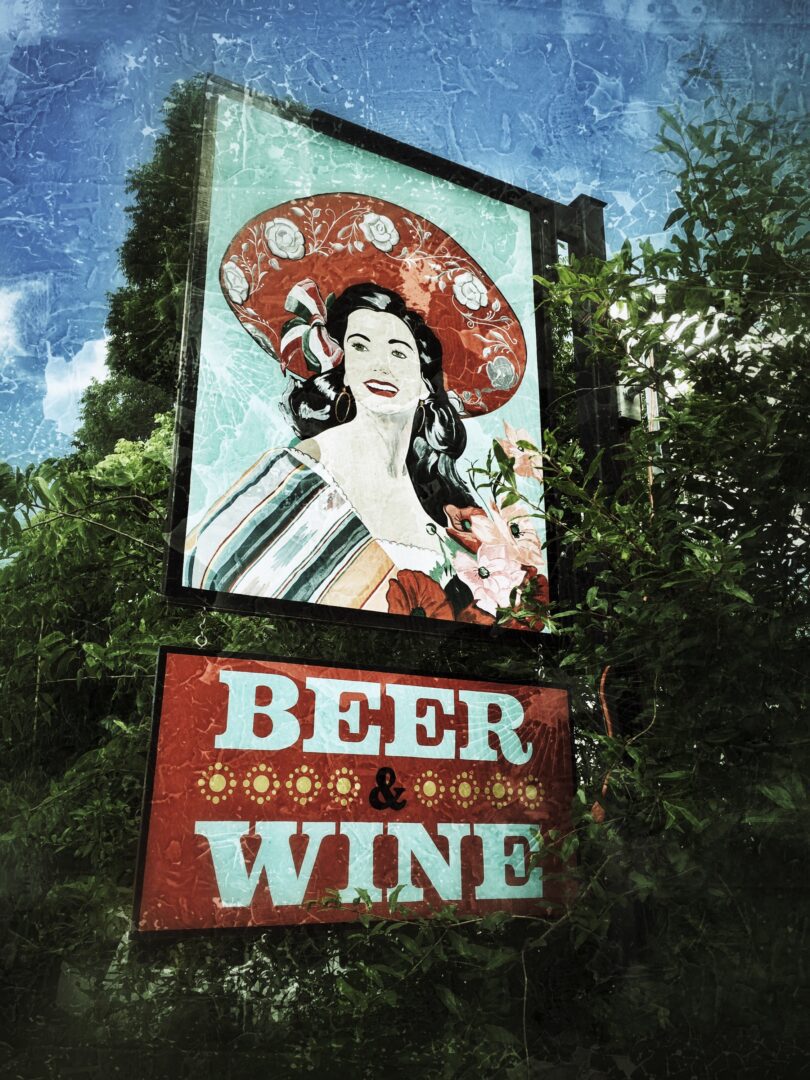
{"points": [[146, 314], [145, 317], [120, 407], [679, 955], [699, 602]]}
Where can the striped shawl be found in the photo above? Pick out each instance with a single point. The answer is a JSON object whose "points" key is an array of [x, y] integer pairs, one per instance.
{"points": [[284, 531]]}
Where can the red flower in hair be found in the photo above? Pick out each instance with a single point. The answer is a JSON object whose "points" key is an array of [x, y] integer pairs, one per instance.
{"points": [[413, 593]]}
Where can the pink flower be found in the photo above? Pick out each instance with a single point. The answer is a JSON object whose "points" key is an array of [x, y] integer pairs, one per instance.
{"points": [[510, 530], [527, 462], [525, 538], [491, 576]]}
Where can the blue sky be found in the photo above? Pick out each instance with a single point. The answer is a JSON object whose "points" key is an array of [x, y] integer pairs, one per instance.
{"points": [[559, 96]]}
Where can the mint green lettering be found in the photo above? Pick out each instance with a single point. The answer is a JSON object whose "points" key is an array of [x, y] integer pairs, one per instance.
{"points": [[494, 838], [239, 733], [287, 885], [503, 726], [414, 841], [329, 717], [407, 722]]}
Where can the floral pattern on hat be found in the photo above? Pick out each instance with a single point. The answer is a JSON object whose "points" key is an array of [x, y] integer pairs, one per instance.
{"points": [[342, 239]]}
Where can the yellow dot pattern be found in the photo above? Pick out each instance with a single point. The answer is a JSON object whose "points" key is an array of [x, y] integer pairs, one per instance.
{"points": [[260, 784], [531, 792], [343, 786], [429, 788], [464, 789], [303, 785], [216, 783], [499, 790]]}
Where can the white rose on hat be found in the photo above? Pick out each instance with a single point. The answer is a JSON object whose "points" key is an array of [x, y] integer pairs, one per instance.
{"points": [[284, 238], [469, 291], [380, 231], [235, 282], [501, 374]]}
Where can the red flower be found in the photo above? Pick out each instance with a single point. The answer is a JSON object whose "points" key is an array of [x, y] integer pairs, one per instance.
{"points": [[473, 614], [460, 527], [533, 590], [414, 593]]}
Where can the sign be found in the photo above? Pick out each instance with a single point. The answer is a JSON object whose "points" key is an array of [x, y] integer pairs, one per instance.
{"points": [[362, 327], [281, 793]]}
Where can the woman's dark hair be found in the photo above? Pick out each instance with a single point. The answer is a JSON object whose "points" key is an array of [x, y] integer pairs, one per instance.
{"points": [[438, 438]]}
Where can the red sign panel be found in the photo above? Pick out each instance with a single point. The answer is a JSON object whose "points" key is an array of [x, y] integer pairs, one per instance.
{"points": [[283, 793]]}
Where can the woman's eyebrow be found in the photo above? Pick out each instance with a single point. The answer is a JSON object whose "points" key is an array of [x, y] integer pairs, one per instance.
{"points": [[396, 341], [358, 334]]}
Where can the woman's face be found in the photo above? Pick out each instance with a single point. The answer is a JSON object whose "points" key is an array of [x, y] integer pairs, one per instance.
{"points": [[382, 362]]}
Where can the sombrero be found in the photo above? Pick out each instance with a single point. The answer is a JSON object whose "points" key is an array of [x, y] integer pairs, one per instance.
{"points": [[282, 263]]}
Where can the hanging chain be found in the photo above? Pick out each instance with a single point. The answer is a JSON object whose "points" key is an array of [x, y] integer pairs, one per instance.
{"points": [[201, 640]]}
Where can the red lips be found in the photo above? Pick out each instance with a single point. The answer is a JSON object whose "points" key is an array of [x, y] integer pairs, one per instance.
{"points": [[384, 389]]}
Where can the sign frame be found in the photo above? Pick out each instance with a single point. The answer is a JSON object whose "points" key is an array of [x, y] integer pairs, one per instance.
{"points": [[164, 651], [579, 225]]}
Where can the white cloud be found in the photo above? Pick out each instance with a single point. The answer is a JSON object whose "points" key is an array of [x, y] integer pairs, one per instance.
{"points": [[10, 344], [66, 381], [23, 21]]}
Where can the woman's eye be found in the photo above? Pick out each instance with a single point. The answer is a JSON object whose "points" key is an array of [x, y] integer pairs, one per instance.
{"points": [[358, 346], [398, 354]]}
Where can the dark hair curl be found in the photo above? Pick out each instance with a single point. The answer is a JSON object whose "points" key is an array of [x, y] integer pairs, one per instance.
{"points": [[438, 437]]}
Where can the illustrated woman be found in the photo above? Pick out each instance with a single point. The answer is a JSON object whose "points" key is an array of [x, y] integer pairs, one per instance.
{"points": [[387, 408], [377, 390]]}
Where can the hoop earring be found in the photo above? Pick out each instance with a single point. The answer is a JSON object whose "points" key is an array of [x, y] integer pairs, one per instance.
{"points": [[420, 418], [343, 405]]}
